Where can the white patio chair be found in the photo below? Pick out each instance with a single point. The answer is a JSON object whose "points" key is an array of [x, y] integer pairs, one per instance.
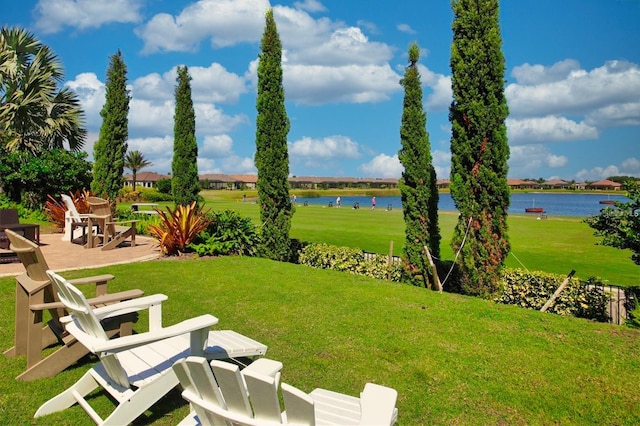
{"points": [[224, 395], [73, 220], [136, 370]]}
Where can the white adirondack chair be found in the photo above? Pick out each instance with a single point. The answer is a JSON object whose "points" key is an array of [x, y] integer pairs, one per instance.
{"points": [[224, 395], [136, 370], [73, 220]]}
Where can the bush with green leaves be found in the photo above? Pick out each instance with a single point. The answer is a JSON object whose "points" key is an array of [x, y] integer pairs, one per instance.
{"points": [[143, 220], [531, 290], [229, 233], [163, 186], [348, 259], [28, 179]]}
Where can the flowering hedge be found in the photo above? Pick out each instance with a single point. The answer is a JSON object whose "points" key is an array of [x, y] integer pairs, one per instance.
{"points": [[347, 259], [531, 290]]}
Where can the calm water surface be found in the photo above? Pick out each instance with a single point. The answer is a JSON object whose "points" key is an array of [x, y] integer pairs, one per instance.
{"points": [[557, 204]]}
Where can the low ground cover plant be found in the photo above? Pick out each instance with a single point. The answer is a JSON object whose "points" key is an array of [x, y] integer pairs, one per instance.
{"points": [[348, 259]]}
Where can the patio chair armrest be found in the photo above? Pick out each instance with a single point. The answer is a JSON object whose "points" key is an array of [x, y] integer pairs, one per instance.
{"points": [[129, 306], [197, 324], [92, 280], [377, 405]]}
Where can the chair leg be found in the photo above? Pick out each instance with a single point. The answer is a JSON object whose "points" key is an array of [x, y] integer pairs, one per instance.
{"points": [[66, 399], [129, 410]]}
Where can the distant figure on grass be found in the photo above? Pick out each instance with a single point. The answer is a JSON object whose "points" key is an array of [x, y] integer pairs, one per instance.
{"points": [[338, 202], [373, 202]]}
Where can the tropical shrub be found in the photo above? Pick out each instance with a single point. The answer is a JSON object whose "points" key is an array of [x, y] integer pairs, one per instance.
{"points": [[179, 227], [531, 290], [228, 233], [163, 186], [143, 220]]}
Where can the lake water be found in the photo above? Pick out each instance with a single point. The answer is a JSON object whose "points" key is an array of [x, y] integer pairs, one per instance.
{"points": [[554, 204]]}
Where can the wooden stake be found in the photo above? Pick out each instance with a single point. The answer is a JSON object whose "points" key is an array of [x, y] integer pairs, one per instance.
{"points": [[434, 269], [390, 260], [558, 291]]}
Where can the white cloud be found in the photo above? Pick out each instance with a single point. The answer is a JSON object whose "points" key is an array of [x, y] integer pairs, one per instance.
{"points": [[217, 146], [441, 96], [548, 129], [310, 6], [597, 173], [212, 120], [354, 84], [53, 15], [327, 148], [91, 93], [631, 166], [405, 28], [626, 114], [441, 161], [538, 74], [383, 166], [238, 165], [149, 118], [225, 22], [158, 150], [525, 159], [581, 92]]}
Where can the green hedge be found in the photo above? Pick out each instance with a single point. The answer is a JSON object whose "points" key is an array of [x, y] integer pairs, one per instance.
{"points": [[531, 290], [347, 259]]}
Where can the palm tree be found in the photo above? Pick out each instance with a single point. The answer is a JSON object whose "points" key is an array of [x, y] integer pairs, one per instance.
{"points": [[35, 114], [134, 161]]}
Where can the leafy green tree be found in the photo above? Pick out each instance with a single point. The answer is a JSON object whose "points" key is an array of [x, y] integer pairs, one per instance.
{"points": [[619, 227], [35, 113], [134, 161], [272, 157], [185, 183], [479, 148], [28, 178], [110, 149], [418, 186]]}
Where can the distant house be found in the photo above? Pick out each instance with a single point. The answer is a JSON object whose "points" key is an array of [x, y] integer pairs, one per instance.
{"points": [[443, 183], [605, 185], [245, 181], [556, 184], [144, 179], [217, 181]]}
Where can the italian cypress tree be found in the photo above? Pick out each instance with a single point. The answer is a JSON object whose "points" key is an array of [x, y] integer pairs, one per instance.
{"points": [[479, 148], [185, 184], [111, 147], [418, 186], [272, 157]]}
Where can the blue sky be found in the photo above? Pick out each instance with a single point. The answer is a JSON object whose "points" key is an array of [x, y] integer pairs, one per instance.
{"points": [[572, 78]]}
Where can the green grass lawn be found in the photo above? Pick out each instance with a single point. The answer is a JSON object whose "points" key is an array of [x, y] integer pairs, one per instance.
{"points": [[452, 359], [557, 244]]}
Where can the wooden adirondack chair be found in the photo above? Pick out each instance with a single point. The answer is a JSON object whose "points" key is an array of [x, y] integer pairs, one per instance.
{"points": [[224, 395], [111, 233], [136, 370], [34, 296]]}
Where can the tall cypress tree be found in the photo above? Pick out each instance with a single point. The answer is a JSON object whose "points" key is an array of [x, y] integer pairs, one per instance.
{"points": [[272, 157], [479, 148], [418, 185], [185, 184], [111, 147]]}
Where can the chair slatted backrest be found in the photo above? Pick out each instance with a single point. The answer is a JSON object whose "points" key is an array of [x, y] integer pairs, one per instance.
{"points": [[30, 255], [299, 406], [263, 391], [89, 324], [71, 208], [196, 376], [101, 207], [232, 387]]}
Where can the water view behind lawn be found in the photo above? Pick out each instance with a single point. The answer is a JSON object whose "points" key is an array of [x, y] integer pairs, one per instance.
{"points": [[554, 204]]}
